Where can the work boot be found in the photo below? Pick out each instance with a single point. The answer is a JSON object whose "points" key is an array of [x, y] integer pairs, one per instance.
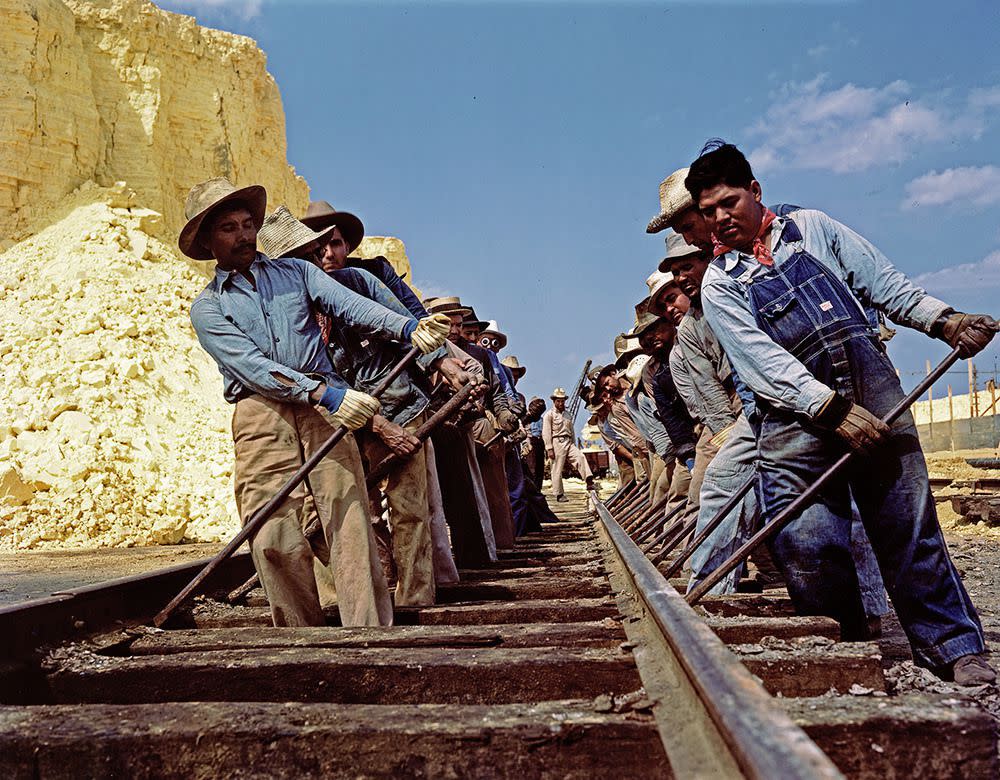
{"points": [[561, 499], [972, 670]]}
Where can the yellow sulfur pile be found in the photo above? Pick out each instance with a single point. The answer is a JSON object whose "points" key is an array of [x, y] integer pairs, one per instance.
{"points": [[115, 431]]}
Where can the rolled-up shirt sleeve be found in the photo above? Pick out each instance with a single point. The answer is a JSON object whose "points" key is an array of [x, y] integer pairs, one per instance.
{"points": [[705, 383], [239, 358], [875, 279], [769, 370]]}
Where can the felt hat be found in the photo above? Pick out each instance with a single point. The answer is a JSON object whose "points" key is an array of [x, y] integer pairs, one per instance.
{"points": [[558, 393], [674, 198], [320, 214], [473, 319], [643, 323], [448, 304], [207, 196], [626, 348], [677, 248], [493, 329], [282, 235], [515, 367], [595, 372]]}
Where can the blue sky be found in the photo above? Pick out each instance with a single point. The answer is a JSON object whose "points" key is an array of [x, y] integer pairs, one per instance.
{"points": [[517, 147]]}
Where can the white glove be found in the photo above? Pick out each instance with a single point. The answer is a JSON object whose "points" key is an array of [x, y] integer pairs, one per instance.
{"points": [[722, 436], [355, 410], [431, 332]]}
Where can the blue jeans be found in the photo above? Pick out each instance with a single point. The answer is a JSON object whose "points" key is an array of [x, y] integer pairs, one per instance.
{"points": [[894, 500], [731, 468]]}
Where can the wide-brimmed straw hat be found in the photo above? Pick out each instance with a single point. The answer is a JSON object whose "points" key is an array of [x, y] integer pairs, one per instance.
{"points": [[492, 328], [677, 248], [674, 198], [656, 281], [558, 393], [207, 196], [626, 348], [446, 304], [282, 235], [320, 215], [515, 367]]}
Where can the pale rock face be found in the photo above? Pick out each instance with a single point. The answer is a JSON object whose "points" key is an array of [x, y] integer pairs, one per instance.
{"points": [[119, 90], [394, 251], [113, 429]]}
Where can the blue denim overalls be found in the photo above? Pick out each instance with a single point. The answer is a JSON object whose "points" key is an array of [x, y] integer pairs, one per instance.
{"points": [[809, 311]]}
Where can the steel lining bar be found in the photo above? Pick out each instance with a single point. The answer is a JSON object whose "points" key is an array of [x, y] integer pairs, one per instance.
{"points": [[791, 512], [763, 740], [261, 516], [715, 522], [614, 498]]}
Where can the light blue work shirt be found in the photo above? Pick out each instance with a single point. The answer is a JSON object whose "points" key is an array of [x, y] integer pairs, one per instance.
{"points": [[256, 335], [642, 408], [769, 370]]}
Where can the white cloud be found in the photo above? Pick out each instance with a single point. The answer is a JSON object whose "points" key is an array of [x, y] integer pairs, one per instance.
{"points": [[979, 186], [968, 277], [852, 128], [242, 10]]}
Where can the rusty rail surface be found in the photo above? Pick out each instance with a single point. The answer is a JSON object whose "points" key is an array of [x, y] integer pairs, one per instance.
{"points": [[762, 740]]}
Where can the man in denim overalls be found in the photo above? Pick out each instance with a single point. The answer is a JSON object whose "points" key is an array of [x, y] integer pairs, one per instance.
{"points": [[784, 295]]}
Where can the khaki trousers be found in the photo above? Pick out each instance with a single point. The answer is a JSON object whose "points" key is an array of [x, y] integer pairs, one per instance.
{"points": [[625, 473], [704, 453], [272, 439], [494, 474], [405, 488], [564, 450]]}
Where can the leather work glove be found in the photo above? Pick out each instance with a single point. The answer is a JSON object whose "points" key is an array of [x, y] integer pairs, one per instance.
{"points": [[861, 430], [354, 411], [431, 333], [969, 332], [722, 436]]}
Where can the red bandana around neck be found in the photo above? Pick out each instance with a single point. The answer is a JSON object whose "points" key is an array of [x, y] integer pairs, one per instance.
{"points": [[760, 249]]}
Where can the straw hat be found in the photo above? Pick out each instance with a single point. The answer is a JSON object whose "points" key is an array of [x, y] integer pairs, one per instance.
{"points": [[626, 348], [634, 371], [643, 323], [448, 304], [492, 328], [656, 282], [321, 214], [282, 235], [674, 198], [515, 367], [677, 248], [204, 198], [558, 393]]}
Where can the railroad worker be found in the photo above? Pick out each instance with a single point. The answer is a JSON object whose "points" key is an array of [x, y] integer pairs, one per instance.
{"points": [[472, 327], [612, 388], [255, 319], [497, 416], [560, 437], [599, 405], [656, 337], [364, 360], [341, 242], [801, 342], [463, 491], [536, 457]]}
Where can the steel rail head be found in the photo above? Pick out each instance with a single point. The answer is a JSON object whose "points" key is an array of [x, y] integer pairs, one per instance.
{"points": [[724, 512], [800, 502], [263, 514], [762, 739]]}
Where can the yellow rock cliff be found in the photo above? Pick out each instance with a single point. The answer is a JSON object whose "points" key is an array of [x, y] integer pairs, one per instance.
{"points": [[113, 430]]}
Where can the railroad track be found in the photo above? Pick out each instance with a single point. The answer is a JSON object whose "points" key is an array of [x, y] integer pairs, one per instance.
{"points": [[570, 657]]}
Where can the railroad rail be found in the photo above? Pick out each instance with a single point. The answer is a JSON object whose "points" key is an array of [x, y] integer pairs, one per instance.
{"points": [[571, 656]]}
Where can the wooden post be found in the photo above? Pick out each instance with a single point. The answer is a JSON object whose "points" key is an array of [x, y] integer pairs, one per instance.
{"points": [[951, 420], [930, 411]]}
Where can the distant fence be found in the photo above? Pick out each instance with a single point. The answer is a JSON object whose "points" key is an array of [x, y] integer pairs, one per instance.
{"points": [[960, 422]]}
